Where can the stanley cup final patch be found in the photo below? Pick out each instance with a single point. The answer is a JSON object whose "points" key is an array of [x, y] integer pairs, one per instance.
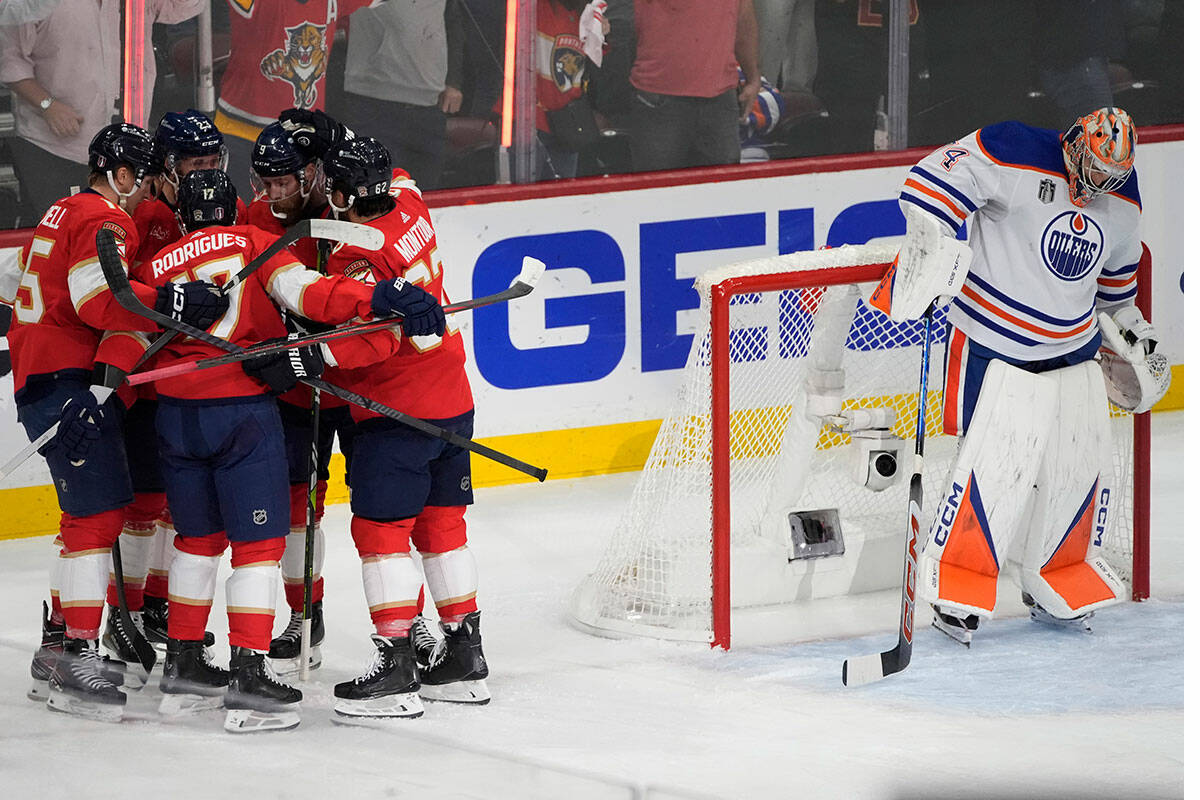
{"points": [[1046, 191]]}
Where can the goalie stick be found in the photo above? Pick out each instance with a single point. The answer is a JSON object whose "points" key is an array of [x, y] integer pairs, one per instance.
{"points": [[351, 233], [118, 282], [531, 270], [859, 670]]}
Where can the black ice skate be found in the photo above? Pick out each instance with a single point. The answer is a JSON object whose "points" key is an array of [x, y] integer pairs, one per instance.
{"points": [[1081, 623], [78, 683], [154, 624], [190, 682], [458, 669], [285, 648], [256, 700], [388, 689], [958, 628], [44, 659], [117, 641], [425, 642]]}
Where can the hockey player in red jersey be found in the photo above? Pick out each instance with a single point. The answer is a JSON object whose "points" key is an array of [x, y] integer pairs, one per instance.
{"points": [[406, 487], [223, 452], [68, 334]]}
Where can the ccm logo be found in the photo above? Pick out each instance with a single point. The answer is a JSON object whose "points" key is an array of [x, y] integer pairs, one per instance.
{"points": [[1101, 517], [949, 512], [910, 572]]}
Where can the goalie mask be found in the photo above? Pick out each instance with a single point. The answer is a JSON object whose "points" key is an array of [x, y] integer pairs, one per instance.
{"points": [[1098, 153], [206, 197], [184, 136]]}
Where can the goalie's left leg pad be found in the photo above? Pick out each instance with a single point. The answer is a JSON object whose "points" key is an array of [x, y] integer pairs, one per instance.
{"points": [[989, 487], [1062, 568]]}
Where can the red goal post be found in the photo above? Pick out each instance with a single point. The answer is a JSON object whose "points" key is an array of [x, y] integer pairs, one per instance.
{"points": [[771, 325]]}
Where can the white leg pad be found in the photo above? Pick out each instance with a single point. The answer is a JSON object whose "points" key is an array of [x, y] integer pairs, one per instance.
{"points": [[981, 508], [1062, 568], [452, 577]]}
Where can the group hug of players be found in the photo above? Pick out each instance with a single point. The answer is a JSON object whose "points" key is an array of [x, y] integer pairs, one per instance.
{"points": [[185, 467]]}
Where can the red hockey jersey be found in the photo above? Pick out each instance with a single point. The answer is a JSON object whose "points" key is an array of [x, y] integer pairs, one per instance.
{"points": [[63, 307], [216, 254], [423, 376], [157, 227]]}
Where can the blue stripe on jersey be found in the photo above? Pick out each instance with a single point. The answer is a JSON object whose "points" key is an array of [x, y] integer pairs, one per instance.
{"points": [[1129, 189], [952, 222], [1110, 297], [955, 193], [983, 319], [1110, 272], [1000, 296], [1021, 145]]}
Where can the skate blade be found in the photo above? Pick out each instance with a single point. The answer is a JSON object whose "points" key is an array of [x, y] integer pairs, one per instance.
{"points": [[176, 705], [395, 706], [38, 690], [1079, 624], [290, 667], [471, 692], [245, 720], [69, 704], [960, 635]]}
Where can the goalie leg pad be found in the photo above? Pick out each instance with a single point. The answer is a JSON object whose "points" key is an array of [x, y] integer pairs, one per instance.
{"points": [[1062, 569], [981, 509]]}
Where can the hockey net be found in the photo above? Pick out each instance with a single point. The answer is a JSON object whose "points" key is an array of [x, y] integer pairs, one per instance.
{"points": [[755, 491]]}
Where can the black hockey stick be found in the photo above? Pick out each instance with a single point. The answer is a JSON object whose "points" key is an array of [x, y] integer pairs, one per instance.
{"points": [[143, 648], [524, 283], [858, 670], [310, 534], [351, 233], [118, 282]]}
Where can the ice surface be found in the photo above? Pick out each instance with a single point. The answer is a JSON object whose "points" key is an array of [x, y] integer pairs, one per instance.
{"points": [[1027, 712]]}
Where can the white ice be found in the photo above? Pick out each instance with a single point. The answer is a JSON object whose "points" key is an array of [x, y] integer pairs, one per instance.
{"points": [[1027, 712]]}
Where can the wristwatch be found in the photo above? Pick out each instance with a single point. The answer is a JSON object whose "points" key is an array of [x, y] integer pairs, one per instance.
{"points": [[45, 104]]}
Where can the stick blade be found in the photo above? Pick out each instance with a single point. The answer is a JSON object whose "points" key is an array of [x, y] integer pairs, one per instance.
{"points": [[350, 233], [531, 272], [861, 670]]}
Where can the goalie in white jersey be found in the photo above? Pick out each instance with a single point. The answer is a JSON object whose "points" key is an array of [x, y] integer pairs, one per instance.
{"points": [[1047, 274]]}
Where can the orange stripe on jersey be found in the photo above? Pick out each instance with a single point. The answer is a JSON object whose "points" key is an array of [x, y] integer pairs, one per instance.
{"points": [[1029, 326], [968, 570], [1118, 283], [1067, 572], [952, 397], [941, 198], [993, 159]]}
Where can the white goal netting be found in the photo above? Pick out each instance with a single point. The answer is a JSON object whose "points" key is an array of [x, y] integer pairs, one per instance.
{"points": [[801, 360]]}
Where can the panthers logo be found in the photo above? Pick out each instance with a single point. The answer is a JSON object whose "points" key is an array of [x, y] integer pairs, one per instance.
{"points": [[302, 64], [568, 62]]}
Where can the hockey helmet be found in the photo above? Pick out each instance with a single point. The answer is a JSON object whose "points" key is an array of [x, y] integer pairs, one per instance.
{"points": [[123, 144], [1098, 152], [276, 153], [189, 134], [360, 168], [206, 197]]}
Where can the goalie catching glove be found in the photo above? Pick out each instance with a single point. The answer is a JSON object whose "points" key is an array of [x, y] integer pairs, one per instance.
{"points": [[422, 313], [195, 303], [282, 370], [1135, 375]]}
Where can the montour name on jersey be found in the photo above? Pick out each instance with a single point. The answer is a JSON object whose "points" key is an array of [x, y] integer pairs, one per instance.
{"points": [[414, 239], [194, 248]]}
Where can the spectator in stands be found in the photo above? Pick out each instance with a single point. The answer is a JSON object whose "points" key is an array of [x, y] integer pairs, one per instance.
{"points": [[398, 89], [787, 43], [687, 100], [65, 73]]}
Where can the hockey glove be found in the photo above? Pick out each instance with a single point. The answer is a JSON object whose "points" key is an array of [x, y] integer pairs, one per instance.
{"points": [[314, 132], [282, 370], [195, 303], [1135, 376], [422, 314], [79, 427]]}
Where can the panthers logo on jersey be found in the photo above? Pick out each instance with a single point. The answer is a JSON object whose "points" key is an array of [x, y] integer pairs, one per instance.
{"points": [[567, 61], [362, 271], [302, 63], [1072, 245]]}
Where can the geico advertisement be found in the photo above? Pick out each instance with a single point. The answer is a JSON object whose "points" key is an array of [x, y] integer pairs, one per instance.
{"points": [[604, 335]]}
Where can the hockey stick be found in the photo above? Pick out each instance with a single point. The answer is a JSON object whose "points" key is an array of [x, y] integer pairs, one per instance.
{"points": [[531, 270], [310, 535], [118, 282], [859, 670], [350, 233], [143, 648]]}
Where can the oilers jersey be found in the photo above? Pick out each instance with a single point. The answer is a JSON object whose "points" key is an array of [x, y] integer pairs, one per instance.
{"points": [[1041, 266]]}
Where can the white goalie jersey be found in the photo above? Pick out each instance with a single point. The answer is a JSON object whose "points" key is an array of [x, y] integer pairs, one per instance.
{"points": [[1037, 278]]}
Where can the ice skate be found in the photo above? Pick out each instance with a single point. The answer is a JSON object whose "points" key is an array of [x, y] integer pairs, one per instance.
{"points": [[118, 642], [285, 648], [154, 625], [257, 700], [458, 669], [388, 689], [958, 628], [49, 651], [425, 642], [190, 682], [1082, 623], [78, 683]]}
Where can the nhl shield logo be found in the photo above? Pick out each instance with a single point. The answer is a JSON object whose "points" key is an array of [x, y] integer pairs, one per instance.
{"points": [[1046, 191], [260, 516]]}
